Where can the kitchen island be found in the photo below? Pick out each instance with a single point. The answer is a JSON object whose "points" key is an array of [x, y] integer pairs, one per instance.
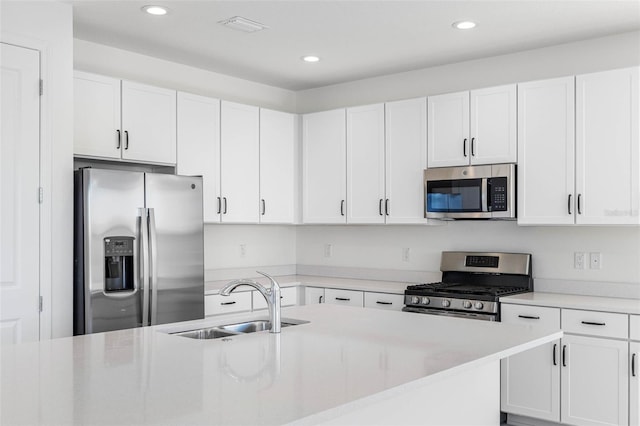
{"points": [[345, 366]]}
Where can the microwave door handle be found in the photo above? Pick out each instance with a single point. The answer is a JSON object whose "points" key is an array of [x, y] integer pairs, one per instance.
{"points": [[485, 194]]}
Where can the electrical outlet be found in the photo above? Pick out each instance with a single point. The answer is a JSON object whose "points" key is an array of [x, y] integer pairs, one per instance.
{"points": [[405, 254], [328, 249], [243, 250], [595, 260], [578, 260]]}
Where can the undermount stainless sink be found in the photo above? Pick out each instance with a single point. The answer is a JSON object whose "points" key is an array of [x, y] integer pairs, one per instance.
{"points": [[236, 329]]}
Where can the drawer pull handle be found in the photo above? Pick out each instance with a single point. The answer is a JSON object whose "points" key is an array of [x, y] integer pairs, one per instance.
{"points": [[564, 355], [633, 365], [384, 303], [343, 299], [593, 323], [528, 317], [555, 347], [227, 303]]}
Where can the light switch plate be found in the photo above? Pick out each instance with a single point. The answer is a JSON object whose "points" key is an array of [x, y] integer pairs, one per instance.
{"points": [[579, 260]]}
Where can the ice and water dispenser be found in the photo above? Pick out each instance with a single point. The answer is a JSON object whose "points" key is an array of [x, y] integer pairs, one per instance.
{"points": [[118, 264]]}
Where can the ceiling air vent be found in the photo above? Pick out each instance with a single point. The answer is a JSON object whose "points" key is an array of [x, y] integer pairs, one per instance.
{"points": [[243, 24]]}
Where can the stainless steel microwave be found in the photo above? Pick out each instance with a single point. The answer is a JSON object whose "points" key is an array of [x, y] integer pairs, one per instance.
{"points": [[473, 192]]}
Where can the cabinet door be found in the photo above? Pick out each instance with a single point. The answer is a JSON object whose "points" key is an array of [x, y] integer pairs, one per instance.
{"points": [[96, 116], [365, 164], [546, 152], [288, 297], [240, 162], [594, 381], [277, 171], [448, 127], [324, 167], [199, 147], [493, 125], [313, 295], [634, 384], [406, 159], [148, 123], [607, 147], [530, 381]]}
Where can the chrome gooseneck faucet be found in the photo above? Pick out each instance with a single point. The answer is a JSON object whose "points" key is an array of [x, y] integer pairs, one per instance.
{"points": [[272, 295]]}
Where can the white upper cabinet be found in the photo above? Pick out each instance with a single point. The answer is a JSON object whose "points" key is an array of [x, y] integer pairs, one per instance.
{"points": [[324, 167], [493, 125], [365, 164], [199, 147], [148, 123], [277, 171], [240, 164], [546, 141], [406, 159], [448, 127], [117, 119], [96, 101], [476, 127], [607, 147]]}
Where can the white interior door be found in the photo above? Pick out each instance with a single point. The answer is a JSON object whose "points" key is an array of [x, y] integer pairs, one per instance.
{"points": [[19, 183]]}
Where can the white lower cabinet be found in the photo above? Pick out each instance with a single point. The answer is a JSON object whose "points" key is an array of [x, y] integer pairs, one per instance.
{"points": [[216, 304], [391, 302], [313, 295], [634, 383], [581, 379], [344, 297], [288, 297]]}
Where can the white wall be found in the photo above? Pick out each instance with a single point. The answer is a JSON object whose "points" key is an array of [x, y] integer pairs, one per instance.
{"points": [[567, 59], [47, 27], [118, 63]]}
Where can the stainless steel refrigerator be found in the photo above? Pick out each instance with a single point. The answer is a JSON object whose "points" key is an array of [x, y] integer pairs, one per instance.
{"points": [[138, 249]]}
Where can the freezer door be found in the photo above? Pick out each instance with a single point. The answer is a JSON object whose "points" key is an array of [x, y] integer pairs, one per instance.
{"points": [[176, 247], [112, 286]]}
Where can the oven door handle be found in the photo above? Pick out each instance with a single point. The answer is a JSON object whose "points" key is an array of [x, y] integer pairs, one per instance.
{"points": [[484, 194]]}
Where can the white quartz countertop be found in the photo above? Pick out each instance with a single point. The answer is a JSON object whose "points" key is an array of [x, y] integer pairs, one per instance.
{"points": [[394, 287], [343, 356], [574, 301]]}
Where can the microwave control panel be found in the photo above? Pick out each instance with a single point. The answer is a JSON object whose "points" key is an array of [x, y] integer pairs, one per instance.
{"points": [[497, 194]]}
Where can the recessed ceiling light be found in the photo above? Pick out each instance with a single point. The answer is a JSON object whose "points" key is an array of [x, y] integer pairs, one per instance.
{"points": [[155, 10], [310, 58], [464, 25]]}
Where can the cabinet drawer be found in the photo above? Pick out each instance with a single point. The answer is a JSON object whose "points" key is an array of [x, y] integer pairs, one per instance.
{"points": [[593, 323], [288, 297], [393, 302], [216, 304], [344, 297], [634, 330], [313, 295], [536, 316]]}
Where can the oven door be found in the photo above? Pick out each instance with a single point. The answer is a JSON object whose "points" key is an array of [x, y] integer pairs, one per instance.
{"points": [[457, 314]]}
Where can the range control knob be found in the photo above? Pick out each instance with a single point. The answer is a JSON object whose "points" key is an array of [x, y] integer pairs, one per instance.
{"points": [[466, 304], [425, 300], [415, 300], [478, 305], [446, 303]]}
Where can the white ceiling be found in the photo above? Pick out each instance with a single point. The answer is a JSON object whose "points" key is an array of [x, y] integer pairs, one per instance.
{"points": [[355, 39]]}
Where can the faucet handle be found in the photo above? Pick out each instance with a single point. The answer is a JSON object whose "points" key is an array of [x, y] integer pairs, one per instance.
{"points": [[274, 283]]}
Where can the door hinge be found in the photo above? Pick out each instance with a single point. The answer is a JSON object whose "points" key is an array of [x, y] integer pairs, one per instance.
{"points": [[40, 304], [41, 87], [40, 195]]}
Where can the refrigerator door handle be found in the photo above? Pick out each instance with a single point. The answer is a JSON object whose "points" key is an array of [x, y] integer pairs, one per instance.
{"points": [[143, 263], [153, 266]]}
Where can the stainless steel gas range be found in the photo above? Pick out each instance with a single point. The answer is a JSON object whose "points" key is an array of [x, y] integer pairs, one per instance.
{"points": [[472, 284]]}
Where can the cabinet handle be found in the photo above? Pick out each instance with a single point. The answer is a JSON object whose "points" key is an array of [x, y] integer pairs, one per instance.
{"points": [[579, 204], [633, 365], [341, 207], [473, 147], [569, 204], [228, 303], [564, 355], [219, 205], [225, 205], [320, 299], [126, 139], [119, 139], [343, 299], [380, 207], [593, 323], [264, 207], [528, 317], [384, 303], [464, 147], [555, 348], [386, 207]]}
